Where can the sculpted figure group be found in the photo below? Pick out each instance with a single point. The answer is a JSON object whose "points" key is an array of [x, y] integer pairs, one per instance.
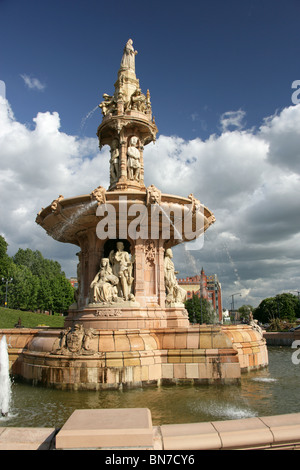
{"points": [[113, 282], [133, 160]]}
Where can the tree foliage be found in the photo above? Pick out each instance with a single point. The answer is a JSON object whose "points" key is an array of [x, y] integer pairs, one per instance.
{"points": [[245, 311], [5, 261], [200, 310], [282, 306], [38, 283]]}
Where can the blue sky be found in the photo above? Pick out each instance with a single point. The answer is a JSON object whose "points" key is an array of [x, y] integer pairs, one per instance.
{"points": [[198, 58], [220, 74]]}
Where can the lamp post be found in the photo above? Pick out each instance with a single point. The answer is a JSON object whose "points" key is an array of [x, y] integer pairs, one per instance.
{"points": [[201, 297], [232, 303], [6, 288]]}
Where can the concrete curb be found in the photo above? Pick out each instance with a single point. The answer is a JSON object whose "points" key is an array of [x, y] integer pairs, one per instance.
{"points": [[270, 432]]}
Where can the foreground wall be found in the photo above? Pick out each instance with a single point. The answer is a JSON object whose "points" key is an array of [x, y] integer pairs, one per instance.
{"points": [[133, 428]]}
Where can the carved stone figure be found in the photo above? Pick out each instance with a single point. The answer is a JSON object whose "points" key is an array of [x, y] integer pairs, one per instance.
{"points": [[104, 285], [114, 160], [153, 195], [122, 268], [75, 341], [254, 324], [99, 195], [176, 296], [108, 105], [150, 252], [133, 160], [138, 101], [128, 59]]}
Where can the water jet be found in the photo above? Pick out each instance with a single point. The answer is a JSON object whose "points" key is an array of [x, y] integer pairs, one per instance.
{"points": [[5, 384]]}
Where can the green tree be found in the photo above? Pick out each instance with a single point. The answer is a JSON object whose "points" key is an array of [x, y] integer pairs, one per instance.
{"points": [[45, 294], [4, 258], [6, 269], [282, 306], [62, 292], [24, 289], [55, 292], [245, 311], [200, 310]]}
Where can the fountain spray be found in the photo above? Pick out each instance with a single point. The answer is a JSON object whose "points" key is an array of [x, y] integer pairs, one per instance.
{"points": [[5, 383]]}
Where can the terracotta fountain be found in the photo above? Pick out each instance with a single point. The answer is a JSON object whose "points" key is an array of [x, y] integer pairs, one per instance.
{"points": [[129, 325]]}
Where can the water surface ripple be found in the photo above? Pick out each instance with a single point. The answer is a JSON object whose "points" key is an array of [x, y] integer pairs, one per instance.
{"points": [[270, 391]]}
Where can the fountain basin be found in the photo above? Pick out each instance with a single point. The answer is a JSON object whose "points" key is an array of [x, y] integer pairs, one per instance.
{"points": [[197, 354]]}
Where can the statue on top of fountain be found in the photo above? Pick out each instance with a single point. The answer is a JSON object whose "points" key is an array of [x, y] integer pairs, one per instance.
{"points": [[127, 126], [127, 88], [128, 58], [112, 285]]}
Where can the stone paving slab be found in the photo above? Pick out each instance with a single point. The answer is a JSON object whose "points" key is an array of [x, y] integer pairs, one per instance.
{"points": [[106, 428], [200, 436], [27, 438]]}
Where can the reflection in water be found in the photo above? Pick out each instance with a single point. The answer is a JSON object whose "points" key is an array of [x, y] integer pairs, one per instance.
{"points": [[270, 391]]}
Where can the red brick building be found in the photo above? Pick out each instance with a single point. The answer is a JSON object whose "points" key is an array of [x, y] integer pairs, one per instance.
{"points": [[206, 287], [74, 282]]}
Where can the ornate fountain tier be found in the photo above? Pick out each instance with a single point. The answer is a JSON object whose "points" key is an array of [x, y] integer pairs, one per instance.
{"points": [[68, 219], [96, 223]]}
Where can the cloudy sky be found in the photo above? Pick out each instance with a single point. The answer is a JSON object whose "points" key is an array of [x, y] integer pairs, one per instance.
{"points": [[224, 79]]}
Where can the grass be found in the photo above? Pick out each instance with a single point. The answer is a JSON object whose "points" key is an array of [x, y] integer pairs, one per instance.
{"points": [[9, 317]]}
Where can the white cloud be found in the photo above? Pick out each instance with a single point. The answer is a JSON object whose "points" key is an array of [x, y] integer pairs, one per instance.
{"points": [[282, 131], [33, 83], [232, 119], [252, 188], [245, 178], [36, 166]]}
